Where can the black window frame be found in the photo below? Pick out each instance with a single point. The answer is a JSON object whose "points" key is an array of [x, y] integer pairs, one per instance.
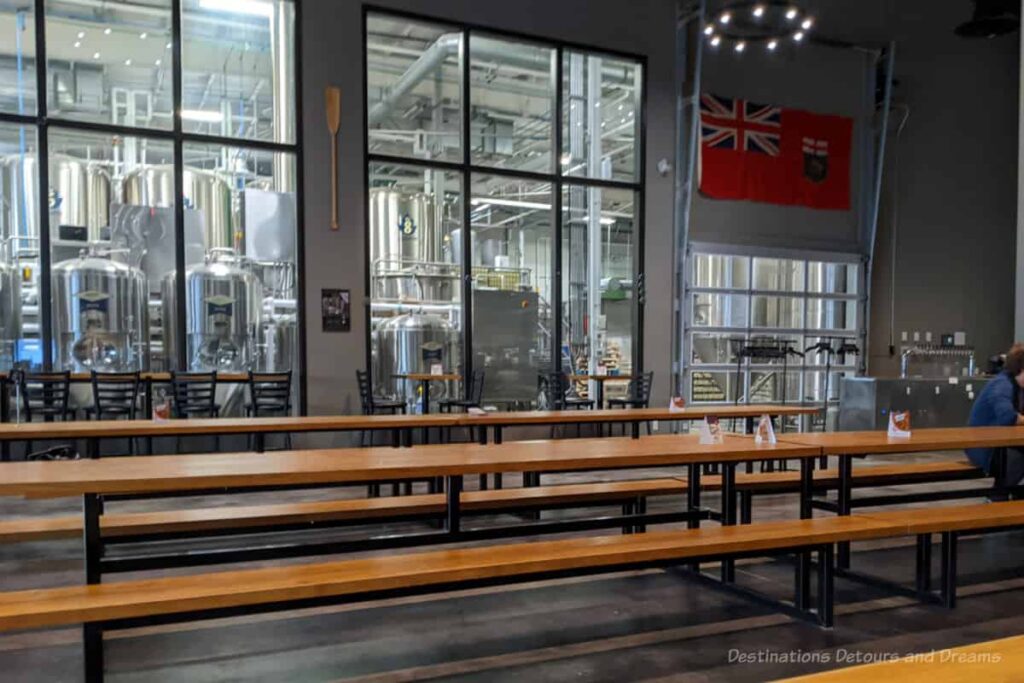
{"points": [[466, 168]]}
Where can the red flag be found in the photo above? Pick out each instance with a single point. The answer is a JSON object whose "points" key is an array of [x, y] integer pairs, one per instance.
{"points": [[769, 154]]}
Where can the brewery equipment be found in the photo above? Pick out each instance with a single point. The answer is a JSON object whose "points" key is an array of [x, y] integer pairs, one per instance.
{"points": [[205, 192], [412, 343], [224, 303], [99, 313], [10, 310]]}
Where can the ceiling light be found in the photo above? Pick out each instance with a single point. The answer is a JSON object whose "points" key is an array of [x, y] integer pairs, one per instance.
{"points": [[759, 11], [566, 159], [168, 46], [798, 36], [715, 41], [95, 55], [708, 30], [740, 46], [202, 115], [143, 35], [81, 34], [791, 14], [607, 220], [78, 43], [807, 23], [253, 7], [158, 62], [725, 18], [107, 31], [772, 44], [127, 62]]}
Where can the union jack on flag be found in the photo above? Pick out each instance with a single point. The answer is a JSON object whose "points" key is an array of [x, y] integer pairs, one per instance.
{"points": [[732, 123]]}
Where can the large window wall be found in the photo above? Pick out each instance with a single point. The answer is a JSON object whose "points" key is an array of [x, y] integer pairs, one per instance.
{"points": [[749, 300], [166, 234], [505, 220]]}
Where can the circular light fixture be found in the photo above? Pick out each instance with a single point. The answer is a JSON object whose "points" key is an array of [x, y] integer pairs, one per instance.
{"points": [[107, 31], [127, 62], [95, 55], [143, 35], [158, 62], [81, 34], [78, 43], [740, 24]]}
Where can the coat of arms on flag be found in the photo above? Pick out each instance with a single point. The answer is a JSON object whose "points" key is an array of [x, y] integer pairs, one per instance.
{"points": [[767, 153]]}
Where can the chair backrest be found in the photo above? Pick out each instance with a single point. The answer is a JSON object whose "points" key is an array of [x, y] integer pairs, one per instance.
{"points": [[556, 386], [194, 393], [476, 387], [365, 391], [45, 393], [270, 393], [640, 387], [115, 393]]}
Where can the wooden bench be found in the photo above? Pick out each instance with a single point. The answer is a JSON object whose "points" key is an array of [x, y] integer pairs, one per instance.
{"points": [[185, 598], [993, 661], [199, 521]]}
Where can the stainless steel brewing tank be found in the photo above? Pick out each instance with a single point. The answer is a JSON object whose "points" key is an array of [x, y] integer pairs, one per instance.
{"points": [[10, 306], [411, 343], [403, 230], [99, 314], [80, 193], [223, 314], [205, 192]]}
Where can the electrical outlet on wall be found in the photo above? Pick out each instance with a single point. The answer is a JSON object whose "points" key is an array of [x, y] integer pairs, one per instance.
{"points": [[917, 336], [903, 335]]}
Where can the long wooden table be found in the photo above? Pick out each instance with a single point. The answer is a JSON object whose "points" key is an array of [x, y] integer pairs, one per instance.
{"points": [[401, 426], [847, 446]]}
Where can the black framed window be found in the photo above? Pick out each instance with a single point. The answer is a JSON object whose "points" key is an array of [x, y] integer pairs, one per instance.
{"points": [[150, 186], [505, 190]]}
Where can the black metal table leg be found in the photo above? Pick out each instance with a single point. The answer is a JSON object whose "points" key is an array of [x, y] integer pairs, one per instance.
{"points": [[806, 487], [949, 542], [636, 429], [5, 416], [260, 441], [924, 564], [92, 633], [826, 586], [483, 435], [693, 495], [92, 448], [728, 514], [845, 491], [453, 517], [497, 434]]}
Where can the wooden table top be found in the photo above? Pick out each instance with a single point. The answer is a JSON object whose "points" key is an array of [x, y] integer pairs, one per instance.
{"points": [[427, 377], [601, 378], [994, 661], [147, 474], [85, 429], [935, 439]]}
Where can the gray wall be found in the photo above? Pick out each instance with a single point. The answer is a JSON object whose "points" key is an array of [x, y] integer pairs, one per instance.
{"points": [[332, 55]]}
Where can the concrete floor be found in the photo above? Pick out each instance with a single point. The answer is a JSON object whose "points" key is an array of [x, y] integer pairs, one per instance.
{"points": [[650, 625]]}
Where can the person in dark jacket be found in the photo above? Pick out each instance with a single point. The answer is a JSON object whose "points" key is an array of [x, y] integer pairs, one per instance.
{"points": [[999, 404]]}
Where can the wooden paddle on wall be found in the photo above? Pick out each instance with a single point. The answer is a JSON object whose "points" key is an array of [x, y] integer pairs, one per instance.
{"points": [[332, 94]]}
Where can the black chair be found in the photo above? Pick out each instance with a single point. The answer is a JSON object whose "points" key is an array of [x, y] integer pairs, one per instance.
{"points": [[115, 395], [638, 395], [370, 403], [45, 395], [270, 394], [561, 395], [474, 399], [194, 395]]}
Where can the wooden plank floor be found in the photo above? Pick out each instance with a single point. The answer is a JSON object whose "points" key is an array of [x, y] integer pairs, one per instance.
{"points": [[654, 625]]}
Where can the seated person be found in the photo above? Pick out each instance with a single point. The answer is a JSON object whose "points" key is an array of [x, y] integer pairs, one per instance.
{"points": [[998, 405]]}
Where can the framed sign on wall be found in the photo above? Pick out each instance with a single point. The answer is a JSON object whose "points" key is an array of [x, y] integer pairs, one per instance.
{"points": [[336, 310]]}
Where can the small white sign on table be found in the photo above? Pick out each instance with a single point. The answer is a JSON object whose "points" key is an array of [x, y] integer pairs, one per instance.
{"points": [[710, 431], [765, 431], [899, 424]]}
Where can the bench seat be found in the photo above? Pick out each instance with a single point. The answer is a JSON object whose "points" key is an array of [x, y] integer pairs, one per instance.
{"points": [[439, 569]]}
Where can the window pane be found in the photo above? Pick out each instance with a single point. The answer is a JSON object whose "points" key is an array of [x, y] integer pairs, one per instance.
{"points": [[721, 272], [712, 387], [832, 278], [512, 231], [110, 64], [19, 248], [720, 310], [784, 312], [714, 348], [512, 97], [415, 273], [831, 314], [767, 386], [18, 53], [597, 280], [240, 253], [111, 244], [413, 88], [601, 117], [238, 59], [779, 275]]}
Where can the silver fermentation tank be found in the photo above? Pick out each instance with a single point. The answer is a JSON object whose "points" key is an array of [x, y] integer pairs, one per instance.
{"points": [[411, 343], [205, 192], [223, 308], [99, 314], [10, 310]]}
